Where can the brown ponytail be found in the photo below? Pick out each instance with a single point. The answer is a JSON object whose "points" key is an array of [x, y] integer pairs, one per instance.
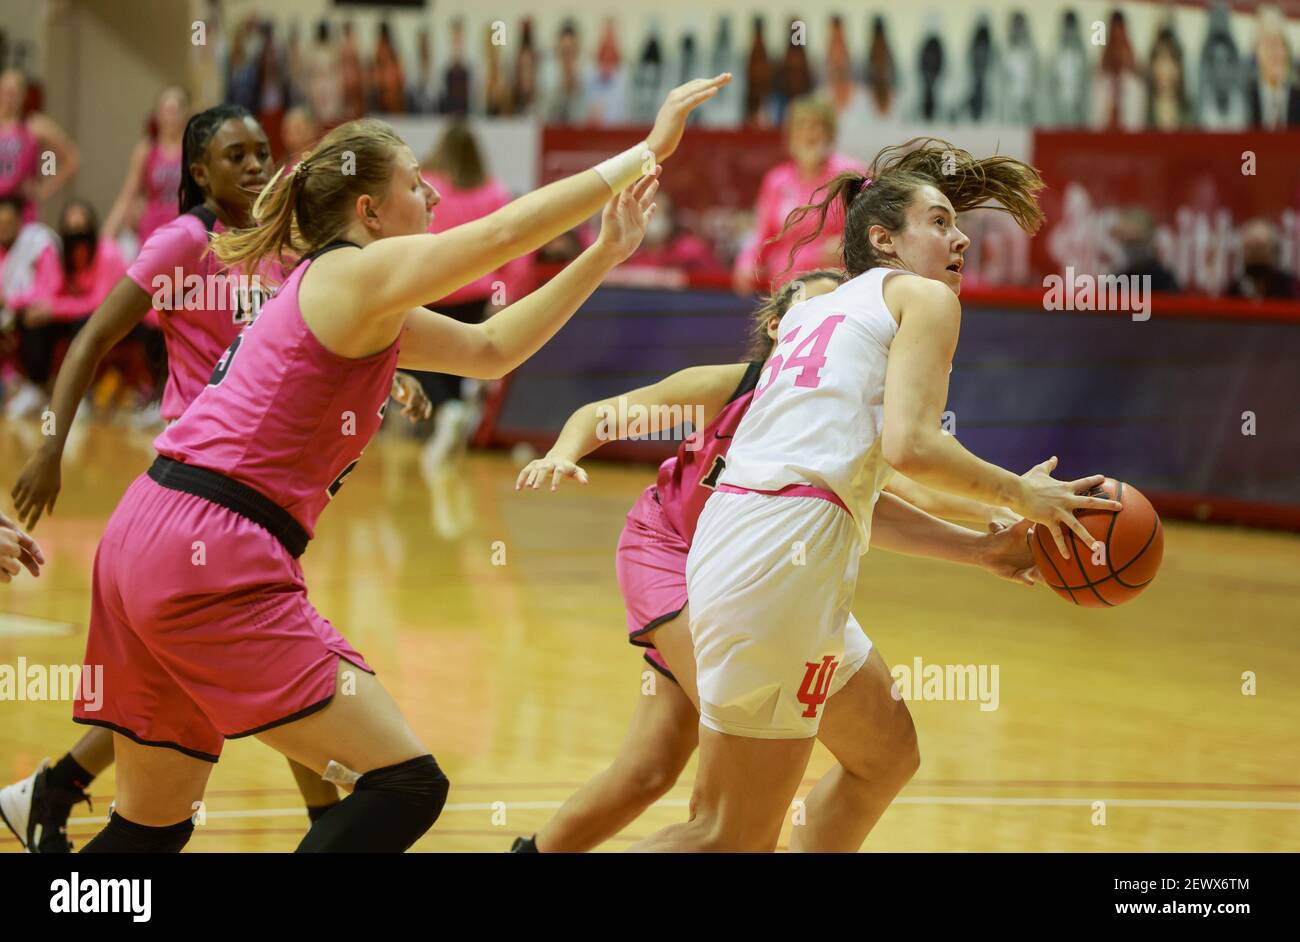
{"points": [[896, 173], [778, 303], [311, 205]]}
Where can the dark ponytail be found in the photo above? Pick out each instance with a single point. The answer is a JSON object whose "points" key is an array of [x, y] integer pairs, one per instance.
{"points": [[198, 134], [881, 196]]}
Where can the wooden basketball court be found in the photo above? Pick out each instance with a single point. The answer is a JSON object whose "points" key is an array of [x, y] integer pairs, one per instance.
{"points": [[494, 619]]}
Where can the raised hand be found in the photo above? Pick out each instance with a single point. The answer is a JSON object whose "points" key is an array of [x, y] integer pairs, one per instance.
{"points": [[677, 107], [626, 216]]}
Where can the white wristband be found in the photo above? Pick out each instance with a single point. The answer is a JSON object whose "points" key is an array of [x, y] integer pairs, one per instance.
{"points": [[622, 170]]}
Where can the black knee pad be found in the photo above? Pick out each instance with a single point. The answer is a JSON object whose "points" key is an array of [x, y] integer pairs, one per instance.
{"points": [[419, 782], [121, 836]]}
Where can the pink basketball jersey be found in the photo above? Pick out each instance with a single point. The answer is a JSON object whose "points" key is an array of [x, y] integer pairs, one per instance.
{"points": [[281, 413], [200, 308], [162, 180], [19, 162], [688, 478]]}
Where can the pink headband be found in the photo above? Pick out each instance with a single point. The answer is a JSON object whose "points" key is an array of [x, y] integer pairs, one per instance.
{"points": [[865, 183]]}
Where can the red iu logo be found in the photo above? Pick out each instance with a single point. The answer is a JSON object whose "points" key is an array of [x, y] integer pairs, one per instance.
{"points": [[815, 696]]}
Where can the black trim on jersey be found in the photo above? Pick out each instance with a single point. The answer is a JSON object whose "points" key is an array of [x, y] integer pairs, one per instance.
{"points": [[205, 216], [749, 381], [336, 244], [192, 753], [234, 496]]}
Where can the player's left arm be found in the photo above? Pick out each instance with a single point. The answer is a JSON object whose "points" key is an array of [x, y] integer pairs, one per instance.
{"points": [[696, 393], [899, 527]]}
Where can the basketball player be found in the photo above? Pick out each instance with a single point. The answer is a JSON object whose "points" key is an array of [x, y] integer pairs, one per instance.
{"points": [[651, 565], [200, 615], [853, 391], [226, 161]]}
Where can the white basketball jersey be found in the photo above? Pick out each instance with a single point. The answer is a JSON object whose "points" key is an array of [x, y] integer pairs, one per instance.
{"points": [[819, 405]]}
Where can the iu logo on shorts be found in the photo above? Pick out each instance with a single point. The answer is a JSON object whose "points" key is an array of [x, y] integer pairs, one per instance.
{"points": [[814, 695]]}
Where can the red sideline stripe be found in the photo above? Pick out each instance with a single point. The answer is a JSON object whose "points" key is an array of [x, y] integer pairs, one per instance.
{"points": [[1172, 305], [1208, 508]]}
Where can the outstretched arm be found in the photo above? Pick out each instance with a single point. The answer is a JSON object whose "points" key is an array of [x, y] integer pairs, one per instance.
{"points": [[390, 276], [665, 405], [489, 350], [38, 485]]}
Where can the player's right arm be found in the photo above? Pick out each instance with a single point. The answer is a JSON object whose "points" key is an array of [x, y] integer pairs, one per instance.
{"points": [[38, 484], [589, 427], [390, 276], [912, 442]]}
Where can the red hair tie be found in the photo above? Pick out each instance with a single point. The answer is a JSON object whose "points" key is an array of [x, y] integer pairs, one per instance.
{"points": [[865, 183]]}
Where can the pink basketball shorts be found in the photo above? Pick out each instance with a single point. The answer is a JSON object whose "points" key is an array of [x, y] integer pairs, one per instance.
{"points": [[651, 568], [201, 622]]}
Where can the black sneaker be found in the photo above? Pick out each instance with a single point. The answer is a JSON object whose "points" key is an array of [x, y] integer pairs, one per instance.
{"points": [[523, 845], [37, 812]]}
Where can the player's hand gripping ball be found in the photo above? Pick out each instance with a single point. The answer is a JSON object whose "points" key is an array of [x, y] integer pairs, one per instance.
{"points": [[1132, 545]]}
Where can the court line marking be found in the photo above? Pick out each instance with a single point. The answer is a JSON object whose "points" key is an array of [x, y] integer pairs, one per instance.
{"points": [[978, 800]]}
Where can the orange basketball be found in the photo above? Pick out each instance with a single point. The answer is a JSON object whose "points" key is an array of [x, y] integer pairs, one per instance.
{"points": [[1134, 544]]}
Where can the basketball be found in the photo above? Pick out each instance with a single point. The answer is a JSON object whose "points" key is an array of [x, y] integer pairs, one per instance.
{"points": [[1134, 544]]}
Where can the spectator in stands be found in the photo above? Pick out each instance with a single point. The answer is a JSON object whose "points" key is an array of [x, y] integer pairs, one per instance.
{"points": [[980, 104], [299, 132], [354, 77], [1020, 86], [24, 138], [325, 78], [931, 69], [242, 70], [1221, 99], [466, 192], [422, 97], [565, 100], [21, 246], [524, 98], [1272, 97], [846, 95], [647, 78], [1168, 108], [1261, 276], [497, 93], [759, 80], [1135, 231], [1067, 77], [606, 89], [882, 74], [669, 244], [763, 265], [1118, 92], [70, 283], [795, 79], [387, 83], [456, 83], [273, 95]]}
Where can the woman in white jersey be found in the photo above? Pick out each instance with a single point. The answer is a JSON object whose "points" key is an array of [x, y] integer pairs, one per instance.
{"points": [[853, 391]]}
